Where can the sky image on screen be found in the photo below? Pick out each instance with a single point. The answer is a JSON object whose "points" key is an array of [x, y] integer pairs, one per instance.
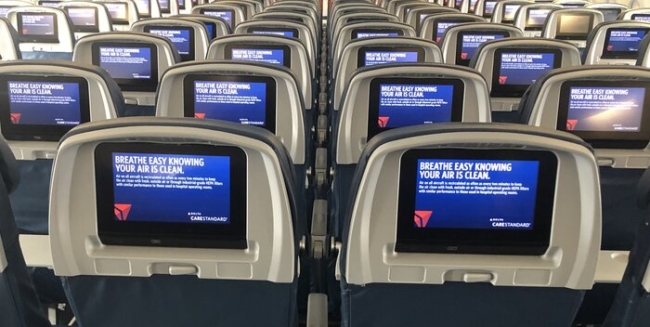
{"points": [[126, 62], [225, 15], [605, 109], [442, 27], [275, 32], [489, 7], [574, 24], [82, 16], [471, 43], [271, 56], [363, 35], [117, 10], [537, 17], [414, 104], [524, 68], [180, 37], [475, 194], [143, 7], [44, 103], [171, 188], [239, 102], [509, 12], [164, 4], [35, 24], [624, 40], [384, 57]]}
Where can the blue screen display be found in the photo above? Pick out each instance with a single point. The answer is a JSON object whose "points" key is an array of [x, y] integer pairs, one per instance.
{"points": [[442, 27], [263, 55], [4, 11], [410, 104], [35, 24], [211, 32], [624, 40], [225, 15], [179, 37], [277, 32], [385, 57], [641, 17], [605, 109], [524, 68], [171, 188], [363, 35], [126, 62], [239, 102], [82, 16], [471, 43], [475, 194], [44, 103]]}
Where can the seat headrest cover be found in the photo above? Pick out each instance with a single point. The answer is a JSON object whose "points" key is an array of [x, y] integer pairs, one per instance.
{"points": [[8, 166], [643, 190]]}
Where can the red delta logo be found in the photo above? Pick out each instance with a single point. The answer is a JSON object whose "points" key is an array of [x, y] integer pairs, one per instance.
{"points": [[438, 39], [463, 55], [15, 118], [421, 218], [502, 80], [383, 121], [121, 211], [199, 115], [610, 47], [571, 124]]}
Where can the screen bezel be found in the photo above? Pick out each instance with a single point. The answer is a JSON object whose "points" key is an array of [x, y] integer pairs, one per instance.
{"points": [[621, 54], [295, 31], [231, 11], [271, 98], [459, 44], [573, 36], [458, 21], [84, 28], [514, 16], [50, 133], [118, 20], [517, 91], [131, 84], [166, 234], [285, 48], [361, 54], [487, 14], [356, 32], [142, 14], [634, 16], [192, 38], [607, 140], [476, 241], [167, 10], [373, 101], [54, 38], [534, 27]]}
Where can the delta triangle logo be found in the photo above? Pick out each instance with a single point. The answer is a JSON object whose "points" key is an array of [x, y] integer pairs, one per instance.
{"points": [[199, 115], [571, 124], [15, 118], [121, 211], [421, 218], [610, 47], [463, 55], [502, 80], [383, 121]]}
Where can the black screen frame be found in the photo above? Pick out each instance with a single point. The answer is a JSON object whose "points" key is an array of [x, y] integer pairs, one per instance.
{"points": [[84, 28], [534, 27], [434, 28], [141, 14], [361, 54], [165, 234], [231, 11], [532, 242], [634, 16], [54, 38], [50, 133], [573, 36], [459, 43], [192, 38], [167, 10], [373, 101], [131, 84], [285, 48], [270, 123], [607, 140], [517, 91], [621, 54], [503, 14], [487, 14], [119, 20]]}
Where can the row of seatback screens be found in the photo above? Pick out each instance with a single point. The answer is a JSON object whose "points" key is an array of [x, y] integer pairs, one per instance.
{"points": [[195, 196]]}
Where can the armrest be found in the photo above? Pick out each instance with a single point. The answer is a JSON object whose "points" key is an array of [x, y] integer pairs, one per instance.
{"points": [[321, 129], [317, 310], [322, 101], [320, 173], [319, 229]]}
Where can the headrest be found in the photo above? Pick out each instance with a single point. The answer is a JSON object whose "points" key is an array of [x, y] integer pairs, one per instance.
{"points": [[522, 17], [579, 22], [461, 42], [642, 14], [569, 99], [381, 97], [9, 51], [368, 29], [222, 26], [32, 20], [433, 26], [238, 238], [231, 13], [631, 35], [468, 167], [181, 30], [610, 11], [8, 167], [643, 190], [505, 11], [278, 103], [643, 58]]}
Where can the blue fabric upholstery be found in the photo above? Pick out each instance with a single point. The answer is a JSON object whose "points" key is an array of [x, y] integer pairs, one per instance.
{"points": [[31, 200]]}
